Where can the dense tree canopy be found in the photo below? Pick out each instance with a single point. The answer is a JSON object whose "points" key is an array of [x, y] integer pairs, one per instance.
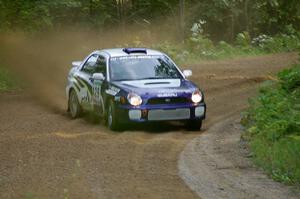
{"points": [[224, 18]]}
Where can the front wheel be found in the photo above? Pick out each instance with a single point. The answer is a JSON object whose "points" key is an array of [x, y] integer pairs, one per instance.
{"points": [[112, 120], [194, 125], [74, 106]]}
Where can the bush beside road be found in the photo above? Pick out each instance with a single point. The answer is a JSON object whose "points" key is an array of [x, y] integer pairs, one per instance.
{"points": [[273, 126]]}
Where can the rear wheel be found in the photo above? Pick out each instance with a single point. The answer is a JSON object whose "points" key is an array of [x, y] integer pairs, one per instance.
{"points": [[194, 125], [112, 120], [74, 106]]}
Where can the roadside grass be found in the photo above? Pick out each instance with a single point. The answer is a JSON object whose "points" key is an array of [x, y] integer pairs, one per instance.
{"points": [[7, 82], [273, 126]]}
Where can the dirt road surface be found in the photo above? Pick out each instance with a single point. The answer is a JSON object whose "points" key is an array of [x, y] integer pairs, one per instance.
{"points": [[45, 154]]}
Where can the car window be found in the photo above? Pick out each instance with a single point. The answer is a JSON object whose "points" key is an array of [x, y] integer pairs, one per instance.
{"points": [[142, 67], [100, 65], [90, 65]]}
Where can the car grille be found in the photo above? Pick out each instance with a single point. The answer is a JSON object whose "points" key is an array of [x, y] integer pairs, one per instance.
{"points": [[168, 100], [174, 114]]}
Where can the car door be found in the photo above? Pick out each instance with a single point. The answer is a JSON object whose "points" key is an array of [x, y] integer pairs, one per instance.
{"points": [[99, 85], [85, 81]]}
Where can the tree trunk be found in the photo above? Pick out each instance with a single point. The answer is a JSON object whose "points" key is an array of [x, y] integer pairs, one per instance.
{"points": [[232, 27], [246, 15], [182, 18]]}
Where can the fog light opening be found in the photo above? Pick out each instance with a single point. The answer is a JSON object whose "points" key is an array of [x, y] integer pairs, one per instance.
{"points": [[144, 113]]}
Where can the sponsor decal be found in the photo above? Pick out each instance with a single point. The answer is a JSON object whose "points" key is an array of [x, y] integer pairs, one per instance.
{"points": [[167, 95], [97, 97], [85, 96], [76, 84], [135, 57], [97, 92], [112, 90], [79, 82], [86, 89]]}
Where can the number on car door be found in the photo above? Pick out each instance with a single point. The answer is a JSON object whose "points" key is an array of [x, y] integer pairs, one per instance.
{"points": [[97, 100]]}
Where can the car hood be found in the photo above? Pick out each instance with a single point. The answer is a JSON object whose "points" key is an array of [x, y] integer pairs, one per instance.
{"points": [[161, 87]]}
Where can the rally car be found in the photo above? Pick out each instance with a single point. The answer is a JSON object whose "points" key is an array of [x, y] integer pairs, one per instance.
{"points": [[134, 85]]}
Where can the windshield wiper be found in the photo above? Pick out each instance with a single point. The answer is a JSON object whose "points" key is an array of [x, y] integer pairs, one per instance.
{"points": [[120, 80], [153, 78], [145, 78]]}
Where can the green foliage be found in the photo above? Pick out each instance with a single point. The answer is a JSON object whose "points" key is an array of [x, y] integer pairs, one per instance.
{"points": [[6, 82], [243, 39], [279, 43], [199, 43], [177, 52], [199, 46], [33, 15], [224, 19], [290, 79], [273, 126], [27, 15]]}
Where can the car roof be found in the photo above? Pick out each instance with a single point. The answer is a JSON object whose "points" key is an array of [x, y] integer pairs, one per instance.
{"points": [[119, 52]]}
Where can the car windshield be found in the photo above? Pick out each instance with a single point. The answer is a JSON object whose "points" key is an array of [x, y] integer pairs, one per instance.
{"points": [[142, 67]]}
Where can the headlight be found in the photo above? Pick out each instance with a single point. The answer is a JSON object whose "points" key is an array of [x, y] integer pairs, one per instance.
{"points": [[134, 99], [196, 96]]}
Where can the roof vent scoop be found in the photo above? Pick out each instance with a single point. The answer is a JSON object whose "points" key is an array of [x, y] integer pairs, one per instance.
{"points": [[135, 50]]}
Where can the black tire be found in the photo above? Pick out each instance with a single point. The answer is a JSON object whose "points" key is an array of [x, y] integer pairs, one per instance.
{"points": [[74, 106], [112, 120], [194, 125]]}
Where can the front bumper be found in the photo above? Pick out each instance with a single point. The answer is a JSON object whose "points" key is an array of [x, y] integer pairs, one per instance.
{"points": [[173, 112]]}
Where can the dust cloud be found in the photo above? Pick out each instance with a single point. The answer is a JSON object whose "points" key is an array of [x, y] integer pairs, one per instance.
{"points": [[41, 62]]}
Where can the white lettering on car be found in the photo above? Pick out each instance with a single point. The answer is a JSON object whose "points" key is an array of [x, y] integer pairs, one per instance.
{"points": [[167, 95], [112, 91], [97, 92], [134, 57]]}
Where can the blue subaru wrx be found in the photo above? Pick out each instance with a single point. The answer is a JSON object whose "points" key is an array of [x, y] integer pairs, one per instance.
{"points": [[134, 85]]}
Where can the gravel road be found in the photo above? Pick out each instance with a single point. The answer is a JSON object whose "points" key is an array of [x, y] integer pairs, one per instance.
{"points": [[45, 154]]}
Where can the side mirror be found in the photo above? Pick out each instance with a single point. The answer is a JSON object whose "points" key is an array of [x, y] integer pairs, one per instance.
{"points": [[187, 73], [76, 63], [98, 76]]}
